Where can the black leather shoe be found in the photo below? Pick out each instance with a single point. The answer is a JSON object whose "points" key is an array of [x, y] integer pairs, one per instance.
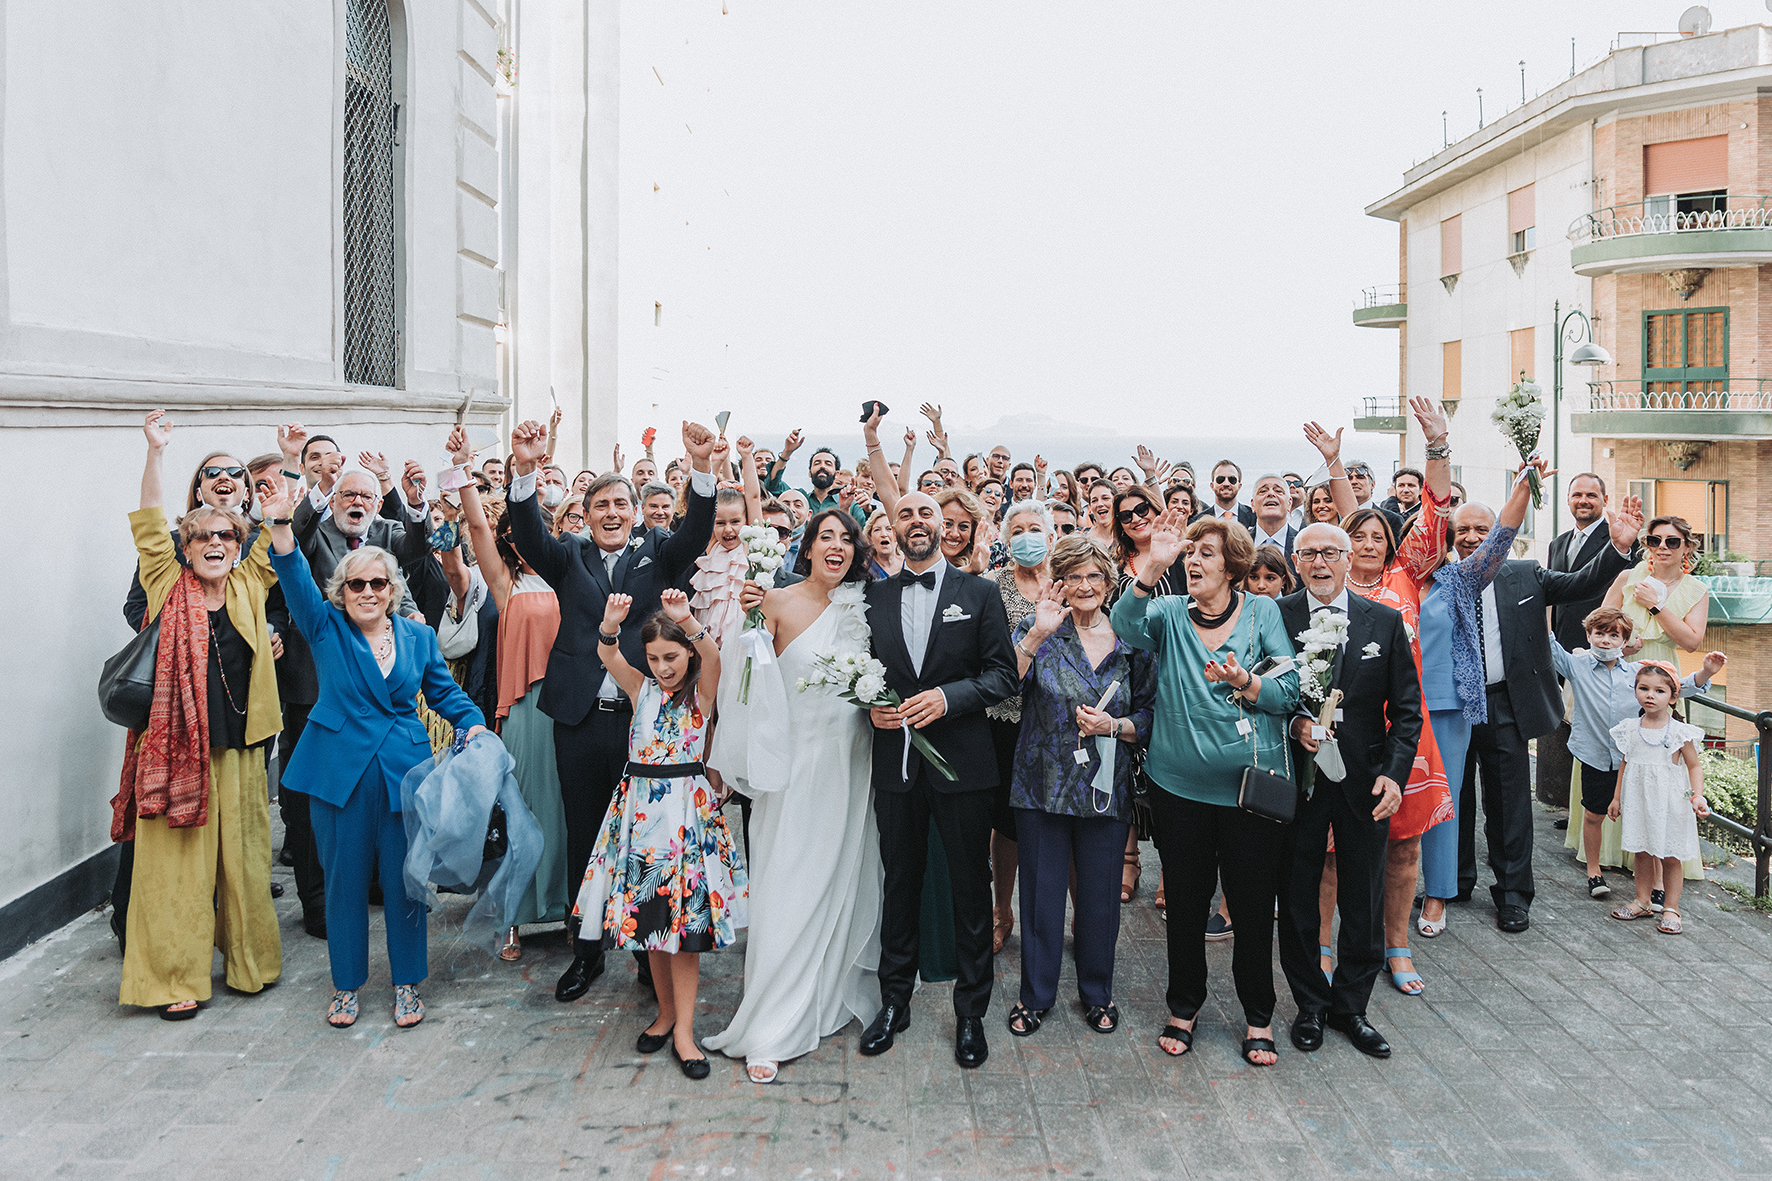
{"points": [[315, 924], [1360, 1032], [577, 979], [1307, 1031], [285, 858], [276, 889], [970, 1049], [1512, 919], [877, 1037]]}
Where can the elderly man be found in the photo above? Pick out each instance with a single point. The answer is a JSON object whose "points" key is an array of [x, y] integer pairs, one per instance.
{"points": [[1377, 728], [591, 715], [1523, 700], [1271, 503]]}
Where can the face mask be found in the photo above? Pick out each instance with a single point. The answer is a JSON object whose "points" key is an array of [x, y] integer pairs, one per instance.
{"points": [[1607, 648], [255, 513], [1028, 549], [552, 495]]}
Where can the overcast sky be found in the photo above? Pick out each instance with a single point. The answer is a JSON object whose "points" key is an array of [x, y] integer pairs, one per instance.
{"points": [[1149, 210]]}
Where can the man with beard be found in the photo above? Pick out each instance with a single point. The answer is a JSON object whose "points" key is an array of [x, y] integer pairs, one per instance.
{"points": [[822, 470], [1272, 503], [1022, 481], [1227, 479]]}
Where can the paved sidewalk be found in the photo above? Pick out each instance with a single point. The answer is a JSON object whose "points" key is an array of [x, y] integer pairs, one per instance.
{"points": [[1584, 1048]]}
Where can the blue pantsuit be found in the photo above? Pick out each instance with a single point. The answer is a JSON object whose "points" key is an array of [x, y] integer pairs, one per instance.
{"points": [[355, 839], [1439, 844]]}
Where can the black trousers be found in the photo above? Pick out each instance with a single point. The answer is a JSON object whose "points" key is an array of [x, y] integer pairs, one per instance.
{"points": [[1498, 748], [1049, 845], [591, 758], [1361, 844], [1467, 826], [1199, 844], [298, 829], [963, 819]]}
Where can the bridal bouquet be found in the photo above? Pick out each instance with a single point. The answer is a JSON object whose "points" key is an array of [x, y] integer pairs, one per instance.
{"points": [[1327, 632], [1520, 416], [859, 678], [764, 554]]}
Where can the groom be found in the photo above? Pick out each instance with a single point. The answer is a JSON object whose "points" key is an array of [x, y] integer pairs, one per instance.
{"points": [[944, 638]]}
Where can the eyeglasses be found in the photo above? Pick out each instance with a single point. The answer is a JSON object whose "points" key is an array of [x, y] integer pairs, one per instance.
{"points": [[366, 497], [1093, 578], [1227, 479], [356, 585], [1066, 529], [1312, 555], [575, 518], [212, 472], [1137, 512], [1655, 541], [200, 536]]}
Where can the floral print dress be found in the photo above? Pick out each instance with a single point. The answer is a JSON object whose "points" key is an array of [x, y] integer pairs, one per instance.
{"points": [[665, 875]]}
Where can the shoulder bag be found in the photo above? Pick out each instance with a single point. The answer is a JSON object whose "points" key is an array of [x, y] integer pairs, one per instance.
{"points": [[126, 686], [1263, 793]]}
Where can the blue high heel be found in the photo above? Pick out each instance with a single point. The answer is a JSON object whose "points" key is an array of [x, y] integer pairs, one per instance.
{"points": [[1401, 978]]}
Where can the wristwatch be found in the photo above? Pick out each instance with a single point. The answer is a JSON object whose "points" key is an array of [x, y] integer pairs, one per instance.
{"points": [[279, 520], [604, 638], [1655, 610]]}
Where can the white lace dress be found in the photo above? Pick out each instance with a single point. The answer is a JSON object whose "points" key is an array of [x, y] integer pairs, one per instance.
{"points": [[1655, 793], [813, 946]]}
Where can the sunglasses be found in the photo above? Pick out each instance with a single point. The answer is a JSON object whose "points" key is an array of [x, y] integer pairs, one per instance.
{"points": [[1656, 542], [1294, 483], [223, 535], [1137, 512], [1067, 529], [1360, 469], [1227, 479], [212, 472], [782, 532], [356, 585]]}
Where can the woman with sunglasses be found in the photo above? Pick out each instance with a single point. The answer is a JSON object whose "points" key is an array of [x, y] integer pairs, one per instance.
{"points": [[528, 622], [363, 736], [192, 797]]}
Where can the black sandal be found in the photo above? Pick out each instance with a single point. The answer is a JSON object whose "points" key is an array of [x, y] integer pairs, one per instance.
{"points": [[1031, 1020], [1097, 1013], [1253, 1045], [1176, 1033]]}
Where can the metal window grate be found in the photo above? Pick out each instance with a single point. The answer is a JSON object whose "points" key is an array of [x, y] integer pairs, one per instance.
{"points": [[370, 337]]}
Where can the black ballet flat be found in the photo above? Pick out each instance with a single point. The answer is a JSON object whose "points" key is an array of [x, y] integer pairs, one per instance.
{"points": [[697, 1068], [652, 1043]]}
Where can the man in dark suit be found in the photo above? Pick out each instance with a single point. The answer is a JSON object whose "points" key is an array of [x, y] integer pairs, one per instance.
{"points": [[1523, 702], [1271, 504], [944, 638], [1379, 728], [591, 715], [1227, 479]]}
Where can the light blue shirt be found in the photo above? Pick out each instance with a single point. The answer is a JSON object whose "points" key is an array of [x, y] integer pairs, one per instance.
{"points": [[1605, 694]]}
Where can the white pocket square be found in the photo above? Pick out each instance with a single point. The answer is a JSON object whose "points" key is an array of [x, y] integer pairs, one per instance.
{"points": [[1526, 600], [953, 615], [1370, 656], [642, 562]]}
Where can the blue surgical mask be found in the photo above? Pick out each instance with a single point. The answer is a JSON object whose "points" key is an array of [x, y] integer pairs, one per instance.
{"points": [[1028, 549]]}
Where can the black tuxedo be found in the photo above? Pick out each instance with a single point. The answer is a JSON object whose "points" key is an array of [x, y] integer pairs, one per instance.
{"points": [[971, 659], [591, 738], [1566, 616], [1525, 704], [1380, 728]]}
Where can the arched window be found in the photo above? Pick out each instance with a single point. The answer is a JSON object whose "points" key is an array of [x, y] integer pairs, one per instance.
{"points": [[371, 320]]}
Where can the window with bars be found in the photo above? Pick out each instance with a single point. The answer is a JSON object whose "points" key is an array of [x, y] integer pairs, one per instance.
{"points": [[371, 327], [1685, 353]]}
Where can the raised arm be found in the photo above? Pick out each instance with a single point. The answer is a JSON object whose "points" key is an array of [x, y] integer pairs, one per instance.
{"points": [[691, 541], [628, 678], [888, 490], [499, 578], [159, 434], [747, 473], [906, 473], [1438, 467], [545, 553], [1330, 447], [675, 604], [306, 606]]}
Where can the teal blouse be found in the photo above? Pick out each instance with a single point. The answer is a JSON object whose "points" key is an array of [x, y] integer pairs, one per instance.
{"points": [[1196, 750]]}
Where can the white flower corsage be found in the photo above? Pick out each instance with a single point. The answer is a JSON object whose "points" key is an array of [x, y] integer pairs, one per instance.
{"points": [[1371, 649]]}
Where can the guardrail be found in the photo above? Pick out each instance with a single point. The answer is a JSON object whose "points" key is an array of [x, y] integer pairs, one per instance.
{"points": [[1381, 296], [1740, 211], [1630, 395], [1759, 836], [1388, 406]]}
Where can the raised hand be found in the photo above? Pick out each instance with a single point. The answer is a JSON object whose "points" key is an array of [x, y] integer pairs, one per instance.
{"points": [[291, 438], [910, 437], [1626, 523], [554, 419], [1168, 539], [791, 445], [1428, 413], [1713, 663], [620, 461], [870, 427], [932, 413], [1226, 672], [1050, 610], [1040, 467], [375, 463], [745, 448], [529, 443], [1147, 461], [675, 605], [157, 430], [646, 438], [277, 502], [615, 609], [458, 447], [698, 442], [412, 479], [1327, 444], [719, 457]]}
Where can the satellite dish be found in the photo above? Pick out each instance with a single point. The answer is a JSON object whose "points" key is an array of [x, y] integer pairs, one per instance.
{"points": [[1695, 21]]}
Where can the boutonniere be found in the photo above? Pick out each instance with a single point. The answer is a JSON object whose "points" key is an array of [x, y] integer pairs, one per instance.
{"points": [[1370, 650], [953, 614], [636, 542]]}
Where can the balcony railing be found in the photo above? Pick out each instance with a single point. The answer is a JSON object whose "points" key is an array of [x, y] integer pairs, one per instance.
{"points": [[1630, 395], [1743, 211], [1386, 415], [1381, 307], [1381, 296]]}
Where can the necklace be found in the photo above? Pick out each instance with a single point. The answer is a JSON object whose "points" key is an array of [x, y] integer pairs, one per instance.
{"points": [[1209, 622], [1643, 733], [227, 692], [383, 645], [1354, 582], [1089, 627]]}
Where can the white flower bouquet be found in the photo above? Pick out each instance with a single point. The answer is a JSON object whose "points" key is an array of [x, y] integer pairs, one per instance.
{"points": [[858, 677], [1327, 632], [764, 554], [1520, 416]]}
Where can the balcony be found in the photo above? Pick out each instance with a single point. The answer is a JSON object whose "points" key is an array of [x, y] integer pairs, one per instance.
{"points": [[1624, 410], [1383, 416], [1381, 307], [1654, 235], [1739, 602]]}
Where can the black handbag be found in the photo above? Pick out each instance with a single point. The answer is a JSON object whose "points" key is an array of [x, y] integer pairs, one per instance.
{"points": [[1263, 793], [126, 686]]}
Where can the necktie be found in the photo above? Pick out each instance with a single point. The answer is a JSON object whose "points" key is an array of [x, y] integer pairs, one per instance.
{"points": [[354, 542], [927, 578], [1482, 640]]}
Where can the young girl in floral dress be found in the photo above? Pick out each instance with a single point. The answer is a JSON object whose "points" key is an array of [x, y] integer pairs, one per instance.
{"points": [[665, 876]]}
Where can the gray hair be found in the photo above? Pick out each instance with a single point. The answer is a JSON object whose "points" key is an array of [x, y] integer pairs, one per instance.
{"points": [[605, 481], [355, 560], [1336, 532], [654, 488], [1272, 476], [1031, 505]]}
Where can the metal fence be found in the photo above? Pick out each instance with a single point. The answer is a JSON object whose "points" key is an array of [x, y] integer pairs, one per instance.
{"points": [[1661, 215], [1734, 394], [1383, 295], [1760, 835], [370, 332]]}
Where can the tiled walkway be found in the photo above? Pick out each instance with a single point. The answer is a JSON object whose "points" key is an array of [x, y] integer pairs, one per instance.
{"points": [[1584, 1048]]}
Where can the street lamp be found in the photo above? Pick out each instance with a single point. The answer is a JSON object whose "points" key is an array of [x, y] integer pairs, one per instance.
{"points": [[1588, 352]]}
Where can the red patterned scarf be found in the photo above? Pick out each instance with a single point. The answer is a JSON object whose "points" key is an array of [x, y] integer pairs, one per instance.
{"points": [[166, 771]]}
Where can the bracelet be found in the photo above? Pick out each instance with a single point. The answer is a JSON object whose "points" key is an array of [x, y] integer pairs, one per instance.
{"points": [[1022, 650], [1248, 680], [1443, 451], [698, 637], [286, 472], [1150, 592], [605, 638]]}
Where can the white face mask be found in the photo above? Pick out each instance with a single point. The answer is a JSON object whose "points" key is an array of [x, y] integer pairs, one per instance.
{"points": [[552, 495], [1607, 648]]}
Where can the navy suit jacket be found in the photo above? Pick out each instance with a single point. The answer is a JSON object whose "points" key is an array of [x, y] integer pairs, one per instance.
{"points": [[361, 716]]}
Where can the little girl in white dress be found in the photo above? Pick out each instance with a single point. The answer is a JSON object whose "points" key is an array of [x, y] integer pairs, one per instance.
{"points": [[1660, 792]]}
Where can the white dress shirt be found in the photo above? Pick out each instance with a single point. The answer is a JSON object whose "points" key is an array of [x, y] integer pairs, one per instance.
{"points": [[916, 613], [1338, 603], [1580, 539], [1277, 540], [1295, 518], [1494, 664]]}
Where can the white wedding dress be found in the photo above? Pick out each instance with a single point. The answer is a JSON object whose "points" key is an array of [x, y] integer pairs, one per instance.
{"points": [[813, 947]]}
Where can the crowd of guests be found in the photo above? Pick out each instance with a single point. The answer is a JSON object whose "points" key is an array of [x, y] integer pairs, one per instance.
{"points": [[1098, 657]]}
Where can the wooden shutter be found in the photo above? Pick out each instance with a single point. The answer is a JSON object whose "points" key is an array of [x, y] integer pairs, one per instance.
{"points": [[1522, 210], [1686, 165], [1520, 356], [1452, 245], [1451, 370]]}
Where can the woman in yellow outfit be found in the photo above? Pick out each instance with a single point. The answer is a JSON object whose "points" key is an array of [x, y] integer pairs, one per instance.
{"points": [[192, 795]]}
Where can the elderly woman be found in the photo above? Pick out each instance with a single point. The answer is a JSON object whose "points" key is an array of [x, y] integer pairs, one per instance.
{"points": [[363, 737], [1081, 684], [1028, 538], [1214, 718], [192, 795]]}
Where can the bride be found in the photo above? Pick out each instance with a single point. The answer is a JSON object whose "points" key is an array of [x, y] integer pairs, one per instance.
{"points": [[804, 758]]}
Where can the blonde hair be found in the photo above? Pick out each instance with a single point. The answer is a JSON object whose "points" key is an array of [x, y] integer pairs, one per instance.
{"points": [[356, 559], [188, 523]]}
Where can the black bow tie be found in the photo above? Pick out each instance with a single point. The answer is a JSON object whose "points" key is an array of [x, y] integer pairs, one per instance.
{"points": [[908, 576]]}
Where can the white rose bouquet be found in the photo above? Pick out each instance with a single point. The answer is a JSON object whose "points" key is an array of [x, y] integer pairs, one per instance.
{"points": [[764, 554], [858, 677], [1520, 416], [1327, 632]]}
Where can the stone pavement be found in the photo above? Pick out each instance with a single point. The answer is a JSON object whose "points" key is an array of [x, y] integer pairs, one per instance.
{"points": [[1584, 1048]]}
